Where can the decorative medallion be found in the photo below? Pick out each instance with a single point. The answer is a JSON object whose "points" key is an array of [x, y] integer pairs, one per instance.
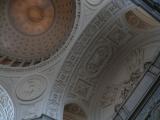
{"points": [[6, 105], [31, 88]]}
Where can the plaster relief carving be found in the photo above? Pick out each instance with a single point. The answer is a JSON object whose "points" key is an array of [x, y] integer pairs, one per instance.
{"points": [[96, 61], [31, 113], [31, 88], [6, 106], [113, 7], [136, 61], [94, 2], [109, 97], [83, 89], [118, 36], [116, 94], [135, 64], [139, 19]]}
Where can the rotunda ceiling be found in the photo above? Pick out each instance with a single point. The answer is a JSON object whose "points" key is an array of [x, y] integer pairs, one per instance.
{"points": [[31, 16], [31, 30]]}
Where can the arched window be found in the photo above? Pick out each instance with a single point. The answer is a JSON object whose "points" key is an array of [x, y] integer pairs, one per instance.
{"points": [[6, 105], [73, 112]]}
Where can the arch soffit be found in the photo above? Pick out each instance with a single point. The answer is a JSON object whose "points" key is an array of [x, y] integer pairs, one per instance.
{"points": [[77, 77]]}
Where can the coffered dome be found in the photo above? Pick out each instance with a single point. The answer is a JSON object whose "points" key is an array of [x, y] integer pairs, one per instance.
{"points": [[32, 30], [31, 17]]}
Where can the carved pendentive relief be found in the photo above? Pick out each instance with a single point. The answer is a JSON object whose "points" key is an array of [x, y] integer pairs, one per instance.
{"points": [[92, 63], [139, 19], [118, 36], [73, 112], [96, 61], [117, 94], [110, 95], [96, 57], [91, 41], [82, 89], [135, 66], [6, 105], [31, 88]]}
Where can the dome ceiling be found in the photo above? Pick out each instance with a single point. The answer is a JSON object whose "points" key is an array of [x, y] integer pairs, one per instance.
{"points": [[32, 16], [31, 30]]}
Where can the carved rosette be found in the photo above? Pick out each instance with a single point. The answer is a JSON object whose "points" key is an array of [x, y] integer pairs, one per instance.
{"points": [[31, 88], [6, 105]]}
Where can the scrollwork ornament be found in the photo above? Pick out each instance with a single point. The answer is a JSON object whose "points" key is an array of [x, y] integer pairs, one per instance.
{"points": [[6, 105]]}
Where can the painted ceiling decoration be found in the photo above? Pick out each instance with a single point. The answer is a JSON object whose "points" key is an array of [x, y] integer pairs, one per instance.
{"points": [[33, 30]]}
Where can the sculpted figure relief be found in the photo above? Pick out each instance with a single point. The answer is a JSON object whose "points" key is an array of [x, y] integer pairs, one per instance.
{"points": [[31, 88], [135, 19]]}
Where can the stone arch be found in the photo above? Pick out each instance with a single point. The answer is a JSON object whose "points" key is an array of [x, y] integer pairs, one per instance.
{"points": [[122, 76], [101, 41]]}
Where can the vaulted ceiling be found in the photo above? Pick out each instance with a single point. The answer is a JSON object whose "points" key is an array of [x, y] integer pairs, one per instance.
{"points": [[34, 30], [96, 67]]}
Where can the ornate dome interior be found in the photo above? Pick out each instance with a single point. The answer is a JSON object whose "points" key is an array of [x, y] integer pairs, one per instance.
{"points": [[76, 59], [34, 30]]}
